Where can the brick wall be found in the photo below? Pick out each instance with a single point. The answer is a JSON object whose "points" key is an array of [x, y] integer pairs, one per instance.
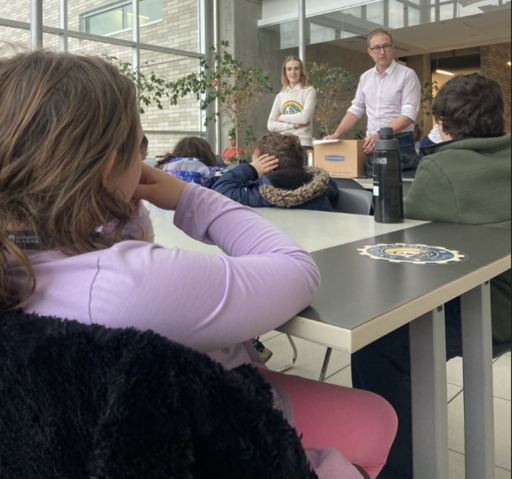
{"points": [[495, 60]]}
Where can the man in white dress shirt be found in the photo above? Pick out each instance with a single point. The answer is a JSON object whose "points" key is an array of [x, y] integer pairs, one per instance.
{"points": [[390, 95]]}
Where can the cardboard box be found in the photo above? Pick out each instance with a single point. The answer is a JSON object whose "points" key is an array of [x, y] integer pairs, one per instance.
{"points": [[342, 159]]}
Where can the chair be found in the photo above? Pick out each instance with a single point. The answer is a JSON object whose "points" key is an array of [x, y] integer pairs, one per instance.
{"points": [[220, 160], [355, 202], [499, 349], [294, 358], [348, 184], [74, 397]]}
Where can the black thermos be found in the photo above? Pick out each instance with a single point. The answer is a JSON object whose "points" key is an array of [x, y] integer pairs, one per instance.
{"points": [[387, 179]]}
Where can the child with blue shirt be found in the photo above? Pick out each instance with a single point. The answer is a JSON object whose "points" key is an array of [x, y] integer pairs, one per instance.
{"points": [[277, 177]]}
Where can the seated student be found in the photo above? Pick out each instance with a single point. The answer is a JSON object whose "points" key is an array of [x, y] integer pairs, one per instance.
{"points": [[277, 177], [464, 180], [55, 189], [192, 161], [433, 138], [231, 152]]}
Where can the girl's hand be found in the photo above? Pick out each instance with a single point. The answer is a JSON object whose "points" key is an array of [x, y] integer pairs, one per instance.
{"points": [[297, 126], [265, 164], [159, 188]]}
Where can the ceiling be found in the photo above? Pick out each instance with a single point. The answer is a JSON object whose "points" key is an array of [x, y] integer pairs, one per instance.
{"points": [[478, 30]]}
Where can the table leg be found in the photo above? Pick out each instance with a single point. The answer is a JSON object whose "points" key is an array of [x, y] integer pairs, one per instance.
{"points": [[429, 393], [478, 383]]}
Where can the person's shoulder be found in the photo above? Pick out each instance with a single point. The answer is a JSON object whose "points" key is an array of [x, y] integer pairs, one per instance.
{"points": [[367, 75], [471, 150], [444, 164], [129, 247], [369, 72], [439, 154]]}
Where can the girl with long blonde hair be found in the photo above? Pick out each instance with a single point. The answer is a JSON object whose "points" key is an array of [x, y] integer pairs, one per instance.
{"points": [[294, 108], [71, 229]]}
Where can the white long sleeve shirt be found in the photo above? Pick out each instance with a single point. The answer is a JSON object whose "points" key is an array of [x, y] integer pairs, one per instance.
{"points": [[294, 107], [386, 97]]}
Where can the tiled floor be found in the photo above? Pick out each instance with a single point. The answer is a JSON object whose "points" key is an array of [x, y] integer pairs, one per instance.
{"points": [[310, 362]]}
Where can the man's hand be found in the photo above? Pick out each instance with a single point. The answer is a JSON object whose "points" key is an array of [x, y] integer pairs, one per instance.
{"points": [[265, 164], [332, 137], [369, 143], [159, 188]]}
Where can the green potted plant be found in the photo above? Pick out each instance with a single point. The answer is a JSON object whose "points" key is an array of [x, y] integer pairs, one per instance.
{"points": [[428, 94], [151, 89], [236, 86], [335, 89]]}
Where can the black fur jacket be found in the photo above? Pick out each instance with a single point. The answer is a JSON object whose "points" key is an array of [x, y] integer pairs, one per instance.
{"points": [[86, 402]]}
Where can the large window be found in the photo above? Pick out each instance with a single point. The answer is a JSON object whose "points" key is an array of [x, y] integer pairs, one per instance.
{"points": [[119, 17], [170, 42]]}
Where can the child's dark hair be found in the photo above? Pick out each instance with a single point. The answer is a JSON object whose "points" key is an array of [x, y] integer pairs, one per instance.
{"points": [[287, 148], [144, 143], [471, 106], [166, 159], [191, 147], [195, 147]]}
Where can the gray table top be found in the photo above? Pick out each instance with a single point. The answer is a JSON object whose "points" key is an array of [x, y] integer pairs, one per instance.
{"points": [[362, 299], [313, 230]]}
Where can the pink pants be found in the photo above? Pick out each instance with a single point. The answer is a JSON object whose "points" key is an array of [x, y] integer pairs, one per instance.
{"points": [[359, 424]]}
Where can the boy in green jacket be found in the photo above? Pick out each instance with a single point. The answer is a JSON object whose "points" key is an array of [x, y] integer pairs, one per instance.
{"points": [[464, 180]]}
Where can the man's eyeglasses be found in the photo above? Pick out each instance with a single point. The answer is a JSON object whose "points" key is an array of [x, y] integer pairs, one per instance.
{"points": [[377, 49]]}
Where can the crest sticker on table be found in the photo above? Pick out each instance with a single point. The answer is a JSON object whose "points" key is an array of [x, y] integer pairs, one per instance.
{"points": [[412, 253]]}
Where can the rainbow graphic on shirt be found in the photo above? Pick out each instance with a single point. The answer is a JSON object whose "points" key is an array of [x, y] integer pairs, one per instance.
{"points": [[291, 108]]}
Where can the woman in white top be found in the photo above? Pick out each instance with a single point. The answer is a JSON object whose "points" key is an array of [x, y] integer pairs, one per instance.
{"points": [[294, 108]]}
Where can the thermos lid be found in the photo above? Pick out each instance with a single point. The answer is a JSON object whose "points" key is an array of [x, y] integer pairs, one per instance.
{"points": [[387, 141], [387, 134]]}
